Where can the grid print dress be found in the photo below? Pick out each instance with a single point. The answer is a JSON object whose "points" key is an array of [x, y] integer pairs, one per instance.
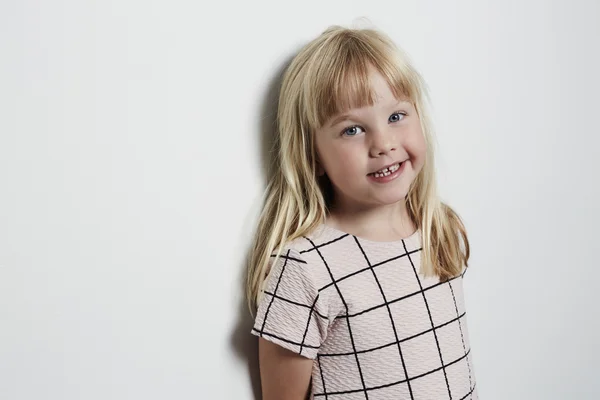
{"points": [[376, 328]]}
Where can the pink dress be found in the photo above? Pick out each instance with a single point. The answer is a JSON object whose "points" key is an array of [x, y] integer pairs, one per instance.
{"points": [[376, 328]]}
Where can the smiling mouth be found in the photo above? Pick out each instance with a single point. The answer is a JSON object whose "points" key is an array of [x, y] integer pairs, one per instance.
{"points": [[386, 171]]}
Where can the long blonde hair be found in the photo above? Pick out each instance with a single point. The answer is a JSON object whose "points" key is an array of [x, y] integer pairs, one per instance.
{"points": [[327, 76]]}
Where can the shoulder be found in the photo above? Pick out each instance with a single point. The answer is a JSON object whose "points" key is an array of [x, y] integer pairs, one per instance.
{"points": [[317, 252], [313, 240], [296, 308]]}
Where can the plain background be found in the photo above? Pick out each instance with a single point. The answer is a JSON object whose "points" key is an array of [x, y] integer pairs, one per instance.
{"points": [[132, 167]]}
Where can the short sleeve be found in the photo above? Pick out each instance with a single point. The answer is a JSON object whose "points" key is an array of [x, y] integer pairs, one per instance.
{"points": [[291, 312]]}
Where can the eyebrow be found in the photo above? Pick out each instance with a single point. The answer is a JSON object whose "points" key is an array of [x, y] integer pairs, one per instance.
{"points": [[346, 116], [339, 119]]}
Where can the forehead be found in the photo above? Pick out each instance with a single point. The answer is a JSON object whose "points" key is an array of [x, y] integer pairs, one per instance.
{"points": [[380, 94], [380, 87], [358, 88]]}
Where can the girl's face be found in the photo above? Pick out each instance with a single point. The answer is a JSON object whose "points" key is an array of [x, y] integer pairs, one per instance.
{"points": [[355, 148]]}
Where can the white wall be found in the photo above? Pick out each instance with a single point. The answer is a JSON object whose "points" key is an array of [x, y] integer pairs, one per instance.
{"points": [[131, 174]]}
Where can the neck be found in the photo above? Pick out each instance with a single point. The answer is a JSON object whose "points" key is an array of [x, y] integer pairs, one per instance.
{"points": [[380, 223]]}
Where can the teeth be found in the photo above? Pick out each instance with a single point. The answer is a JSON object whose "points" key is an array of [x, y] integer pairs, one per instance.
{"points": [[386, 171]]}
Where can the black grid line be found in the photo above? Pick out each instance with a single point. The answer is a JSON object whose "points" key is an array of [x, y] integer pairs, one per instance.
{"points": [[297, 304], [390, 315], [437, 342], [284, 339], [362, 379], [395, 342], [336, 281], [287, 257], [360, 351], [401, 381], [462, 336], [469, 393], [317, 247], [308, 322], [321, 373], [275, 292], [368, 309], [297, 336], [396, 300]]}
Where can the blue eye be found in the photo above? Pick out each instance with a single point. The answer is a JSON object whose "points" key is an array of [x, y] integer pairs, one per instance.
{"points": [[351, 131], [355, 129], [397, 114]]}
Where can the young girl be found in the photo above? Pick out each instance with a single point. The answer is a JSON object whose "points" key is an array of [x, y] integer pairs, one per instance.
{"points": [[357, 266]]}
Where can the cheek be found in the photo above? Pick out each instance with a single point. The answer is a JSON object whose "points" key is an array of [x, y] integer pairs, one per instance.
{"points": [[340, 162], [420, 146], [417, 148], [336, 162], [417, 140]]}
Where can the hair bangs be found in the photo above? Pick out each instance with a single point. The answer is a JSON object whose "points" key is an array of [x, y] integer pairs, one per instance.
{"points": [[342, 78]]}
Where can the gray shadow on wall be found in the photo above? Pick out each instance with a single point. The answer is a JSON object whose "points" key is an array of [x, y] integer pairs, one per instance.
{"points": [[244, 344]]}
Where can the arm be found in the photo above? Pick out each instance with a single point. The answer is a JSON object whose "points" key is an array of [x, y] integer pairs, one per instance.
{"points": [[284, 374]]}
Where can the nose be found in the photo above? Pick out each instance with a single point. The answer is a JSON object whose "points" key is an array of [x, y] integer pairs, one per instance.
{"points": [[383, 141]]}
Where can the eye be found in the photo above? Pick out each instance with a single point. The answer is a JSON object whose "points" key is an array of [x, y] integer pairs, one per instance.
{"points": [[397, 116], [352, 131]]}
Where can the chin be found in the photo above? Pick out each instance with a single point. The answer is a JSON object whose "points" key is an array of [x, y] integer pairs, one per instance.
{"points": [[391, 199]]}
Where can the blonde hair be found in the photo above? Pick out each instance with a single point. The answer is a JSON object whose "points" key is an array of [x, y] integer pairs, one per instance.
{"points": [[328, 76]]}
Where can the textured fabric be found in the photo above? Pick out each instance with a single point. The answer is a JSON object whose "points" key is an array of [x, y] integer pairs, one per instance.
{"points": [[376, 328]]}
